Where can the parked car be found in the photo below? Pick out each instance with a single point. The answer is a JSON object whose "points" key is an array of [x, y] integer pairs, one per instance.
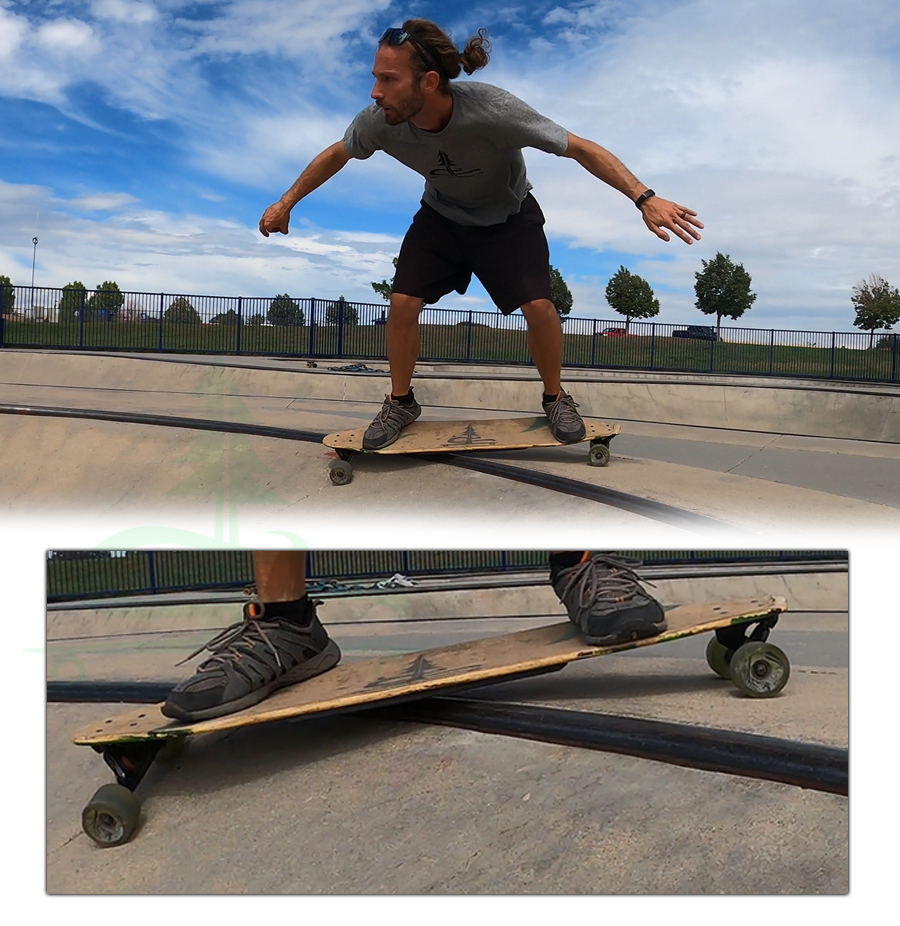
{"points": [[697, 333], [616, 333]]}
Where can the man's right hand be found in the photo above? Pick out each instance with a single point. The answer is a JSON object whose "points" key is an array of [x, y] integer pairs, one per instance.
{"points": [[275, 219]]}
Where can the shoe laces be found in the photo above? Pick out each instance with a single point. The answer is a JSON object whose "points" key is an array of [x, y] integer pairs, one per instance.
{"points": [[563, 409], [236, 639], [389, 408], [603, 579]]}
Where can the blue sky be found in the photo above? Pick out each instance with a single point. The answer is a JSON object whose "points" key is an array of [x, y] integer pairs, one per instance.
{"points": [[142, 140]]}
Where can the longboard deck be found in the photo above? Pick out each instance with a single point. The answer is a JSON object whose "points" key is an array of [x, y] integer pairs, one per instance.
{"points": [[486, 434], [418, 674]]}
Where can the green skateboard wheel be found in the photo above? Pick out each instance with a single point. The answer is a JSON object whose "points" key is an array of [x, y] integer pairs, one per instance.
{"points": [[760, 670], [111, 816], [717, 659]]}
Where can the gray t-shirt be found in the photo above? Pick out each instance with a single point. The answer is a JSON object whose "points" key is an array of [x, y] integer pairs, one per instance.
{"points": [[473, 168]]}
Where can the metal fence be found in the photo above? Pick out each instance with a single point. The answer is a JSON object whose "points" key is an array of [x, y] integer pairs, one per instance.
{"points": [[74, 574], [39, 317]]}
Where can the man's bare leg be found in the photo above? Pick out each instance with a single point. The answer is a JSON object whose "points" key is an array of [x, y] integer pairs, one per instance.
{"points": [[403, 341], [545, 341], [280, 574], [400, 407]]}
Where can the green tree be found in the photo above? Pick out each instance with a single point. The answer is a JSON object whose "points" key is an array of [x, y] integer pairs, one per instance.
{"points": [[181, 312], [385, 289], [7, 296], [877, 305], [284, 311], [71, 301], [256, 319], [107, 299], [225, 318], [333, 313], [723, 288], [560, 295], [631, 296]]}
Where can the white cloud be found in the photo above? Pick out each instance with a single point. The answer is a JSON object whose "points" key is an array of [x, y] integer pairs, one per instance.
{"points": [[13, 30], [153, 250], [66, 35], [101, 202], [302, 28], [125, 11]]}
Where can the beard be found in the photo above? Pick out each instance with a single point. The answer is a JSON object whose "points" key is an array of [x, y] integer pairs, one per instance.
{"points": [[403, 112]]}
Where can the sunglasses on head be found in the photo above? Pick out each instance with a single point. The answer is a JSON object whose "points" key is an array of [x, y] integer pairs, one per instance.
{"points": [[397, 36]]}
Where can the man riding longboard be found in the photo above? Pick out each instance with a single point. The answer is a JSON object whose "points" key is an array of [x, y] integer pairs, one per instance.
{"points": [[477, 213]]}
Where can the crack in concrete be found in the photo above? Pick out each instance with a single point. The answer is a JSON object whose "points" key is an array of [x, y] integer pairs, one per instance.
{"points": [[753, 453]]}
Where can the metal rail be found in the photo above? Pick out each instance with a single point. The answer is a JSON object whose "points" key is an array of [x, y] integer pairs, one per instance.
{"points": [[803, 765], [656, 511]]}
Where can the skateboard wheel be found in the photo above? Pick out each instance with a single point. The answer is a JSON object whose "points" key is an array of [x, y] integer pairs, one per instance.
{"points": [[341, 472], [111, 816], [599, 455], [717, 659], [760, 670]]}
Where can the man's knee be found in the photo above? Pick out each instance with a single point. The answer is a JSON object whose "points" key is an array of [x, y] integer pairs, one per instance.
{"points": [[540, 310], [405, 307]]}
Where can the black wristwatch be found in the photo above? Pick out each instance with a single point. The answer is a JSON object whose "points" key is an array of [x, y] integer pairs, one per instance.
{"points": [[643, 198]]}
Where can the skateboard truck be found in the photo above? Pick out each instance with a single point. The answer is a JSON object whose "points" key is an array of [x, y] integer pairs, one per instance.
{"points": [[130, 761]]}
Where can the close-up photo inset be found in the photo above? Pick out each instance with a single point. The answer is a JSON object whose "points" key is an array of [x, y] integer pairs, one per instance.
{"points": [[412, 722]]}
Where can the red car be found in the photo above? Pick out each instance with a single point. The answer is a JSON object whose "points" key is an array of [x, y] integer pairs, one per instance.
{"points": [[617, 333]]}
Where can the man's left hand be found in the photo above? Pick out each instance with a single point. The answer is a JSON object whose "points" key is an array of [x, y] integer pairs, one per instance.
{"points": [[660, 214]]}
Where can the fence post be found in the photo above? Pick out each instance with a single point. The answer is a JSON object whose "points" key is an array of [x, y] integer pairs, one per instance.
{"points": [[240, 322], [151, 569], [340, 338], [652, 345], [771, 351], [831, 374], [81, 319], [162, 300], [894, 360], [712, 350], [469, 339], [312, 325], [594, 344]]}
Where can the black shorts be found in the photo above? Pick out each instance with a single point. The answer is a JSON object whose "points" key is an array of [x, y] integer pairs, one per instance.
{"points": [[511, 259]]}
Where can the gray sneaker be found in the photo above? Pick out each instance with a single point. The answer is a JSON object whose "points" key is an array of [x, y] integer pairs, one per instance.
{"points": [[607, 603], [251, 659], [565, 423], [389, 422]]}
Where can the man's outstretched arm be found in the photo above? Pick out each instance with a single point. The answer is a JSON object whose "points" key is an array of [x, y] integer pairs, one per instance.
{"points": [[659, 214], [323, 167]]}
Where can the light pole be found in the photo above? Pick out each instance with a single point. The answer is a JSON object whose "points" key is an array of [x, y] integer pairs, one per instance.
{"points": [[34, 241]]}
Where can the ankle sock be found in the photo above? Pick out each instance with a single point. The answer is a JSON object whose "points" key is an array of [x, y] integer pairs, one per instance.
{"points": [[300, 612], [407, 399], [552, 398]]}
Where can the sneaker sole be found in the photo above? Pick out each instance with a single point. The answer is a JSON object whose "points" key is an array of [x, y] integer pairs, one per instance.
{"points": [[628, 634], [322, 662]]}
